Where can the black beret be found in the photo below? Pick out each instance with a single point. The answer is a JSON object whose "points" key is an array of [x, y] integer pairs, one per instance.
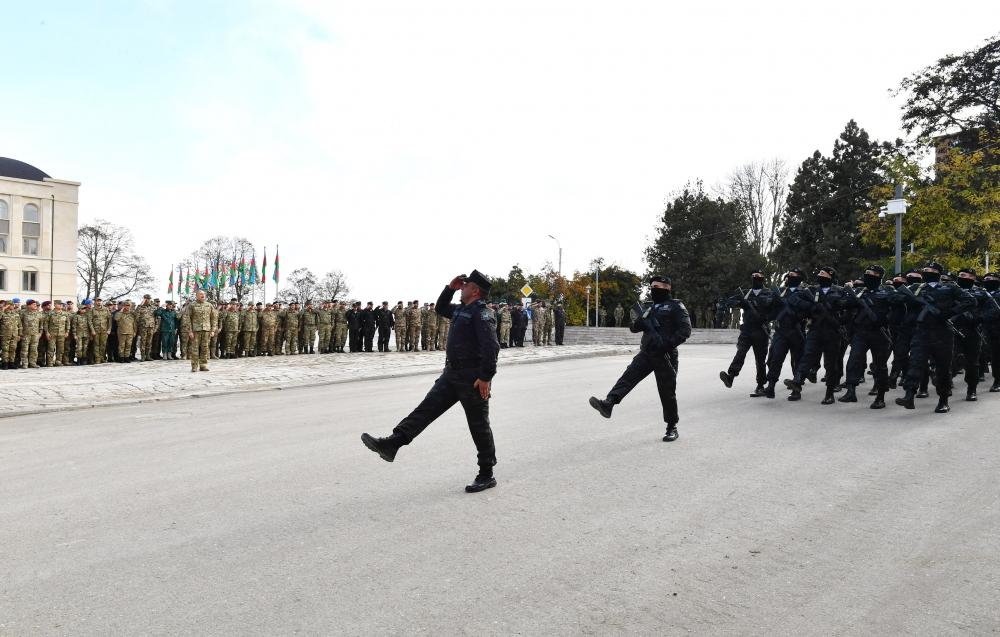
{"points": [[659, 278], [797, 271], [991, 274], [967, 271], [876, 268], [481, 280], [827, 269], [934, 265]]}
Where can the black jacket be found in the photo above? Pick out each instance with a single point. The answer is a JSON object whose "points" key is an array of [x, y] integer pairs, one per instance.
{"points": [[472, 338], [664, 326]]}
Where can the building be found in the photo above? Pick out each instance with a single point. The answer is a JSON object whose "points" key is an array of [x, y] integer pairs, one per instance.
{"points": [[38, 224]]}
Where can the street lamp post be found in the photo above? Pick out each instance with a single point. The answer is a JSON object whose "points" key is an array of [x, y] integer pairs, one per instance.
{"points": [[560, 254], [897, 208], [597, 295], [587, 314]]}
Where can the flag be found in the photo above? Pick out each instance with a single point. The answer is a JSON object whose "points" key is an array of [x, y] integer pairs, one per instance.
{"points": [[232, 271], [263, 268], [214, 281], [187, 282], [276, 264], [253, 269], [243, 270], [170, 286]]}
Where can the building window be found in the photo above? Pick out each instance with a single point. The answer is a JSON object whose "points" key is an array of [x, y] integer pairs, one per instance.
{"points": [[29, 281], [4, 226], [3, 279], [31, 229]]}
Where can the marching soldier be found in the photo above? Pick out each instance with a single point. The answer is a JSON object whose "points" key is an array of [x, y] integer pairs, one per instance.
{"points": [[870, 332], [969, 324], [792, 306], [755, 331], [825, 337], [991, 324]]}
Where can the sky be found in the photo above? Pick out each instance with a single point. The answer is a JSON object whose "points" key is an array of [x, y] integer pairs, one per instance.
{"points": [[405, 142]]}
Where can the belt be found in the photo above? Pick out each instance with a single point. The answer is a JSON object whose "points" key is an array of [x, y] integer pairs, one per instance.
{"points": [[466, 363]]}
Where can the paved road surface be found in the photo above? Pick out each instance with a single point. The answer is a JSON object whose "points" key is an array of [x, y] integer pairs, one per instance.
{"points": [[263, 514]]}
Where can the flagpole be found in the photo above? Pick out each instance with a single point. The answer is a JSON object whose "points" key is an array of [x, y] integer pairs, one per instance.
{"points": [[171, 285], [264, 275]]}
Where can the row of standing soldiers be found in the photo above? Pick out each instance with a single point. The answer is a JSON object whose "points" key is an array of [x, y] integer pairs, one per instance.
{"points": [[934, 326], [547, 320]]}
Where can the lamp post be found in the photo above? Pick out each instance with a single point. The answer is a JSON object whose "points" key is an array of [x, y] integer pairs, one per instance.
{"points": [[897, 208], [559, 271], [587, 314]]}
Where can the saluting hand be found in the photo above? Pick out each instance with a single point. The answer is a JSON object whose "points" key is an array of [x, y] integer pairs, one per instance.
{"points": [[457, 282], [484, 388]]}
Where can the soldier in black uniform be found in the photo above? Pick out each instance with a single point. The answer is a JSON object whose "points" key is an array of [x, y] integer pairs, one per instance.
{"points": [[368, 326], [755, 330], [825, 337], [664, 324], [385, 322], [970, 323], [870, 331], [560, 316], [991, 325], [354, 327], [936, 304], [470, 364], [521, 325], [791, 307]]}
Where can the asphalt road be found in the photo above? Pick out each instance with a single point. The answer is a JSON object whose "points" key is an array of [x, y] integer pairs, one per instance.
{"points": [[263, 514]]}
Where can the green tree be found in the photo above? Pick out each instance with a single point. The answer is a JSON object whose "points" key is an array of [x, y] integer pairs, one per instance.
{"points": [[701, 243]]}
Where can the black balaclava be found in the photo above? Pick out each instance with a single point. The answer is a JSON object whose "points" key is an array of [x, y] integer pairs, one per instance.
{"points": [[931, 276], [964, 283], [660, 294], [824, 280], [991, 284], [756, 282], [793, 280], [873, 281]]}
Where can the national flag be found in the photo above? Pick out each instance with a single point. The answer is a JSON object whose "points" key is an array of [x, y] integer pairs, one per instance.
{"points": [[170, 286], [243, 270], [253, 269], [187, 282], [276, 264], [263, 268]]}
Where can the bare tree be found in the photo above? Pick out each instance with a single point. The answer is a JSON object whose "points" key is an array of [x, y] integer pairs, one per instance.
{"points": [[333, 286], [300, 286], [224, 256], [107, 262], [759, 190]]}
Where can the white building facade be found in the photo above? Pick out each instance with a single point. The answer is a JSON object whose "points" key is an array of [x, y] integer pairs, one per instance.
{"points": [[38, 234]]}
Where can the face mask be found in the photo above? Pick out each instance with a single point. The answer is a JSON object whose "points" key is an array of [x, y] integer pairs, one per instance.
{"points": [[898, 284], [992, 286], [793, 281], [932, 277], [824, 282], [757, 283], [660, 295], [913, 280], [872, 282], [965, 284]]}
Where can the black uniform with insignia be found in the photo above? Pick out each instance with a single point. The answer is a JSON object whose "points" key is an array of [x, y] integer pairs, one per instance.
{"points": [[826, 336], [792, 305], [970, 324], [870, 332], [755, 331], [991, 325]]}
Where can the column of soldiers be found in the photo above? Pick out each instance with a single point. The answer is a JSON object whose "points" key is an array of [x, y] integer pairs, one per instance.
{"points": [[932, 324]]}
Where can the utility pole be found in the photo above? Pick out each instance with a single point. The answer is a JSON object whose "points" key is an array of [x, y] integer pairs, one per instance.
{"points": [[897, 208]]}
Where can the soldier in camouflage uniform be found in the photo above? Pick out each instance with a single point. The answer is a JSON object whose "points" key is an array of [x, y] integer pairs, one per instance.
{"points": [[293, 324], [31, 330], [413, 327], [550, 323], [57, 328], [217, 343], [185, 323], [619, 315], [432, 328], [249, 327], [146, 323], [230, 325], [309, 323], [444, 324], [10, 334], [268, 329], [100, 326], [399, 319], [424, 324], [126, 324], [202, 321], [83, 332], [340, 327], [324, 325], [280, 319], [505, 323], [537, 323]]}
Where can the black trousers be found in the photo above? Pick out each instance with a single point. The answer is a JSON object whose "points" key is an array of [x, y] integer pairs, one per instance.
{"points": [[756, 339], [970, 346], [354, 339], [664, 369], [383, 338], [993, 338], [369, 335], [560, 332], [901, 338], [931, 344], [863, 341], [785, 341], [454, 386], [825, 342]]}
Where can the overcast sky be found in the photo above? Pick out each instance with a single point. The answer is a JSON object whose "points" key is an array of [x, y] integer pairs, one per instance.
{"points": [[403, 142]]}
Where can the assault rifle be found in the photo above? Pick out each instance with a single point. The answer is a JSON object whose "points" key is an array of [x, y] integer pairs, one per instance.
{"points": [[930, 308], [870, 313], [829, 317]]}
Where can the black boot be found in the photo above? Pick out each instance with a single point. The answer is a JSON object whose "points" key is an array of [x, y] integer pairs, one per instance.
{"points": [[483, 481], [828, 398], [879, 402], [996, 387], [727, 379], [873, 391], [942, 406], [671, 434], [850, 397], [769, 391], [970, 394], [603, 406], [757, 393], [811, 377], [386, 448], [906, 400], [894, 381]]}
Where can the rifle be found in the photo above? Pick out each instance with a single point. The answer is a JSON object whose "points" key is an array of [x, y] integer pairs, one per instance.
{"points": [[930, 308], [830, 318], [753, 310], [871, 315]]}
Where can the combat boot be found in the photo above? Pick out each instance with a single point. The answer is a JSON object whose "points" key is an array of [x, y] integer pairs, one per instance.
{"points": [[386, 448], [873, 391], [671, 434], [851, 396], [894, 381], [757, 393], [769, 392], [879, 402], [602, 406], [483, 481], [906, 400], [811, 377], [795, 387], [942, 406], [996, 387], [970, 394], [828, 398], [727, 379]]}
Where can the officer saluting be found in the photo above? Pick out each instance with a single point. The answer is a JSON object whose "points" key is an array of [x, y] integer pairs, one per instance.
{"points": [[470, 364], [665, 324]]}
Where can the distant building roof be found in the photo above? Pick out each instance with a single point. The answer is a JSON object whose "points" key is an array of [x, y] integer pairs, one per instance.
{"points": [[20, 170]]}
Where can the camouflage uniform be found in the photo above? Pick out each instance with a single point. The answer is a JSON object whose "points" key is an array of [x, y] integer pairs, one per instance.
{"points": [[537, 323], [31, 329], [293, 322], [424, 326], [324, 322], [185, 333], [56, 329], [125, 322], [619, 315], [505, 323], [340, 326], [249, 326], [399, 320], [310, 319], [550, 324], [230, 324], [268, 328], [82, 330], [413, 328], [146, 322], [203, 320], [100, 325], [216, 343], [10, 334], [444, 324]]}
